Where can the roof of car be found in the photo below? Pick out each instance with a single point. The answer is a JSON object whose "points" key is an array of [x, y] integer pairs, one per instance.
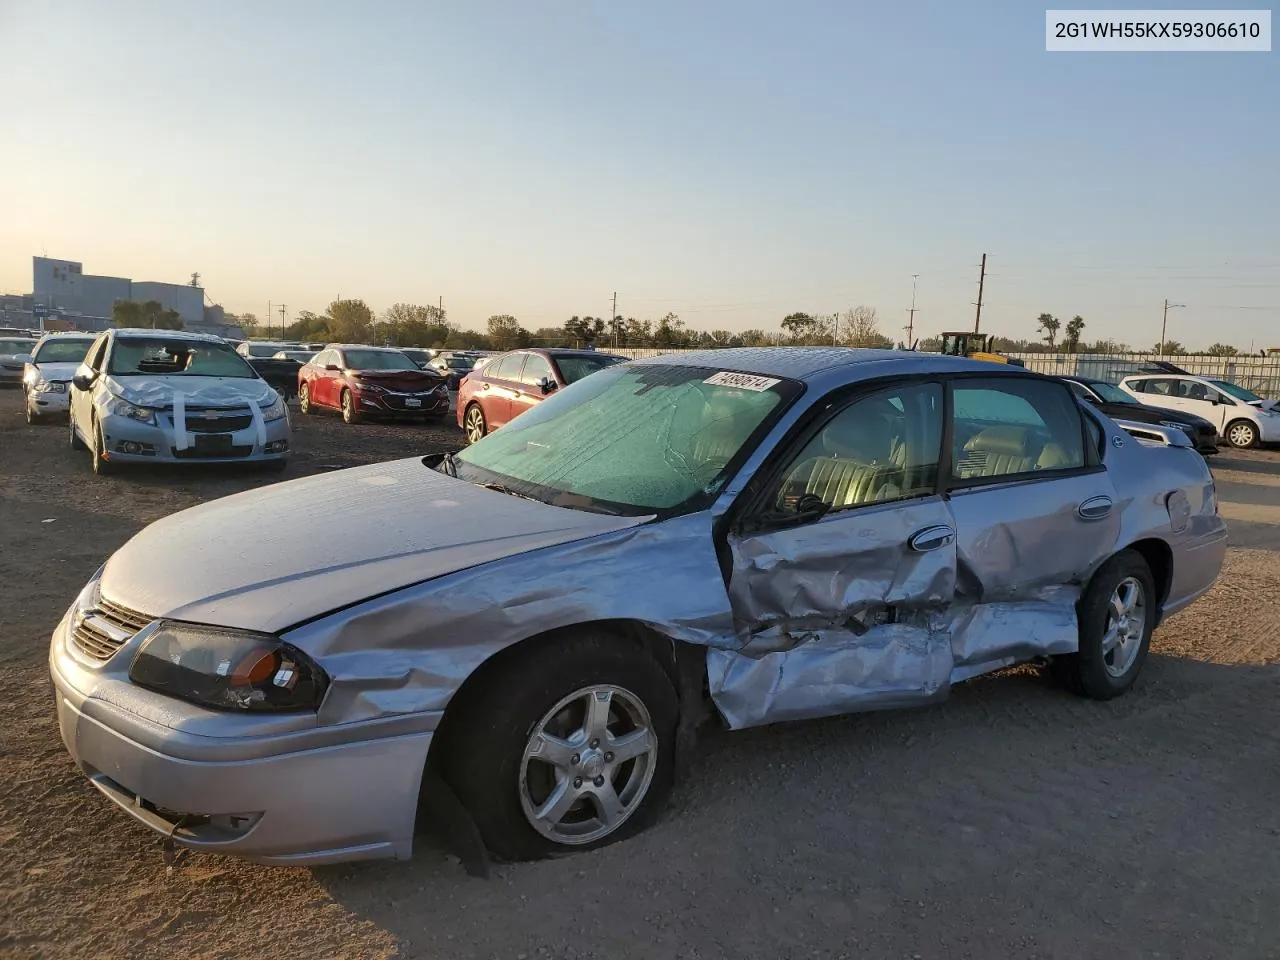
{"points": [[130, 332], [804, 363], [68, 335]]}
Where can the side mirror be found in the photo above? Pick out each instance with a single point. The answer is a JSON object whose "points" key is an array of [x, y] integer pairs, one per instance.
{"points": [[547, 385], [84, 377]]}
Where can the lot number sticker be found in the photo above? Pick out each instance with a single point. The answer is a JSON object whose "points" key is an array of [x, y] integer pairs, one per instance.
{"points": [[743, 381]]}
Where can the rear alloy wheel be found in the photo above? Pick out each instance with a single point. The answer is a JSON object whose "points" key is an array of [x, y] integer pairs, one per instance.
{"points": [[304, 399], [474, 424], [101, 466], [350, 413], [1242, 434], [1116, 615], [567, 748]]}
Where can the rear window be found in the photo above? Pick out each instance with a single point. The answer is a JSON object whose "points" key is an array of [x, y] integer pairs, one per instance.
{"points": [[574, 369]]}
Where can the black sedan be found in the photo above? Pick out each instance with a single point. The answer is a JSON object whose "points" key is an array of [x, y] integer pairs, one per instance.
{"points": [[1117, 404]]}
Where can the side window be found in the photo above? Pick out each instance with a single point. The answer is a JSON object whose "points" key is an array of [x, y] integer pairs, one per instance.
{"points": [[1222, 398], [96, 353], [1137, 386], [508, 368], [879, 448], [536, 369], [1163, 387], [1193, 390], [1011, 427]]}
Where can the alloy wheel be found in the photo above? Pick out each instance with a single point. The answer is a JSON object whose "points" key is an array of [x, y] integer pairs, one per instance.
{"points": [[1126, 626], [475, 425], [587, 765]]}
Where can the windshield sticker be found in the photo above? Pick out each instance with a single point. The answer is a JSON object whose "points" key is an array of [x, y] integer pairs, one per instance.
{"points": [[743, 381]]}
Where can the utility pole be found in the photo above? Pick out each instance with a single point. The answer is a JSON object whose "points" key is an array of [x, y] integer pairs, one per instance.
{"points": [[1164, 322], [982, 276], [268, 318], [911, 314], [283, 308], [613, 320]]}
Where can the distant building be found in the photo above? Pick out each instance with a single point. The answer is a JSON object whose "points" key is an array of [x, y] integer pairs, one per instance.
{"points": [[64, 290]]}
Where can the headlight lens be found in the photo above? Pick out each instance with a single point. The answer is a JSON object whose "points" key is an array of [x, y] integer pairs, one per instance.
{"points": [[228, 669], [275, 411], [122, 408], [1184, 427], [51, 386], [371, 387]]}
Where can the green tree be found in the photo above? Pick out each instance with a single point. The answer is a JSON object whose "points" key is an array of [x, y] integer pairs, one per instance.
{"points": [[308, 326], [150, 315], [349, 321], [1170, 348], [1049, 324], [1222, 350], [1075, 326], [670, 332], [639, 333], [506, 333], [584, 329], [859, 327], [798, 326], [412, 325]]}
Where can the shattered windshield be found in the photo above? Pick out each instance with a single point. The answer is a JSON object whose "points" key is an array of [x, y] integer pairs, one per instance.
{"points": [[633, 440], [156, 356]]}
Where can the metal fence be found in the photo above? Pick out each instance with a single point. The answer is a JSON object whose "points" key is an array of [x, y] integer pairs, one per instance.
{"points": [[1259, 374]]}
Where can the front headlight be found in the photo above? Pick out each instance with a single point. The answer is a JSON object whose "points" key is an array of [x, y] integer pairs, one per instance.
{"points": [[123, 408], [1184, 427], [228, 669], [275, 411], [371, 387], [51, 386]]}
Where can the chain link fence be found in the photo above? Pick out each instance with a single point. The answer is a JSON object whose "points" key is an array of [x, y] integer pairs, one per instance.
{"points": [[1259, 374]]}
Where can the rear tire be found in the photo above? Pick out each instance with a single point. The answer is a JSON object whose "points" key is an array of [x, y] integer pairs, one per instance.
{"points": [[497, 748], [474, 424], [304, 400], [1242, 434], [1117, 615]]}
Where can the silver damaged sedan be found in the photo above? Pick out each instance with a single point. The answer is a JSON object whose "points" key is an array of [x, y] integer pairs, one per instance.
{"points": [[536, 626]]}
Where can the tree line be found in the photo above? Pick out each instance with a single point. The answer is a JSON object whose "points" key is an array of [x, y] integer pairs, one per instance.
{"points": [[414, 325]]}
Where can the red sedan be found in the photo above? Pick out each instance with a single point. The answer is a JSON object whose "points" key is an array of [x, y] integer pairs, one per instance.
{"points": [[370, 382], [508, 385]]}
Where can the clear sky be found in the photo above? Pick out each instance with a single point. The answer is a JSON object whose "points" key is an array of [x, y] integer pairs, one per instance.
{"points": [[730, 160]]}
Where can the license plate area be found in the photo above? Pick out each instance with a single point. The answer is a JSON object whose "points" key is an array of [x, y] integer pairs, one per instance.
{"points": [[412, 402], [212, 442]]}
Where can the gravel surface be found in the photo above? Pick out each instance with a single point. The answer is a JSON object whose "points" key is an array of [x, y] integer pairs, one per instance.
{"points": [[1014, 821]]}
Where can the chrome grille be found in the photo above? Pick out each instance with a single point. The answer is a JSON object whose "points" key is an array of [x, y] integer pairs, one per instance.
{"points": [[100, 632]]}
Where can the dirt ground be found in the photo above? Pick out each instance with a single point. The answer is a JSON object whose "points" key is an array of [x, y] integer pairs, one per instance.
{"points": [[1014, 821]]}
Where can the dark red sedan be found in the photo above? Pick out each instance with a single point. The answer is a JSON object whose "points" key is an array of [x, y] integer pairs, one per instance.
{"points": [[370, 382], [508, 385]]}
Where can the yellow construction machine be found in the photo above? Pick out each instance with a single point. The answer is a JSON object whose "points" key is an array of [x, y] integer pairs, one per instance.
{"points": [[975, 346]]}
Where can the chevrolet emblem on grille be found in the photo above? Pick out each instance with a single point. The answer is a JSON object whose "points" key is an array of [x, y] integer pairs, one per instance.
{"points": [[210, 414]]}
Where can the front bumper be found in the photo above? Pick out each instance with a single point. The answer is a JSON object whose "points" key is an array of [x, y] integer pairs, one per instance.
{"points": [[1269, 429], [395, 404], [46, 402], [300, 794], [130, 441]]}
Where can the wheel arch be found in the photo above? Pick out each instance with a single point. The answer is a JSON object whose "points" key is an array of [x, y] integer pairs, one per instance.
{"points": [[1159, 559], [1245, 420], [685, 664]]}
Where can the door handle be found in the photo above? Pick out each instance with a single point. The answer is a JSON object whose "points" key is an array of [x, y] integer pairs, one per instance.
{"points": [[1095, 508], [931, 538]]}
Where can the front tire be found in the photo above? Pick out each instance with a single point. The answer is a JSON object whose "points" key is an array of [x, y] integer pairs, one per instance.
{"points": [[33, 418], [1117, 615], [568, 747], [304, 400], [101, 466], [1242, 434], [350, 412], [73, 438], [474, 424]]}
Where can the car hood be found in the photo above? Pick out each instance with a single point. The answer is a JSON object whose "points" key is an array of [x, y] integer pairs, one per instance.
{"points": [[57, 371], [273, 557], [196, 391], [1263, 404], [14, 357], [398, 379]]}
